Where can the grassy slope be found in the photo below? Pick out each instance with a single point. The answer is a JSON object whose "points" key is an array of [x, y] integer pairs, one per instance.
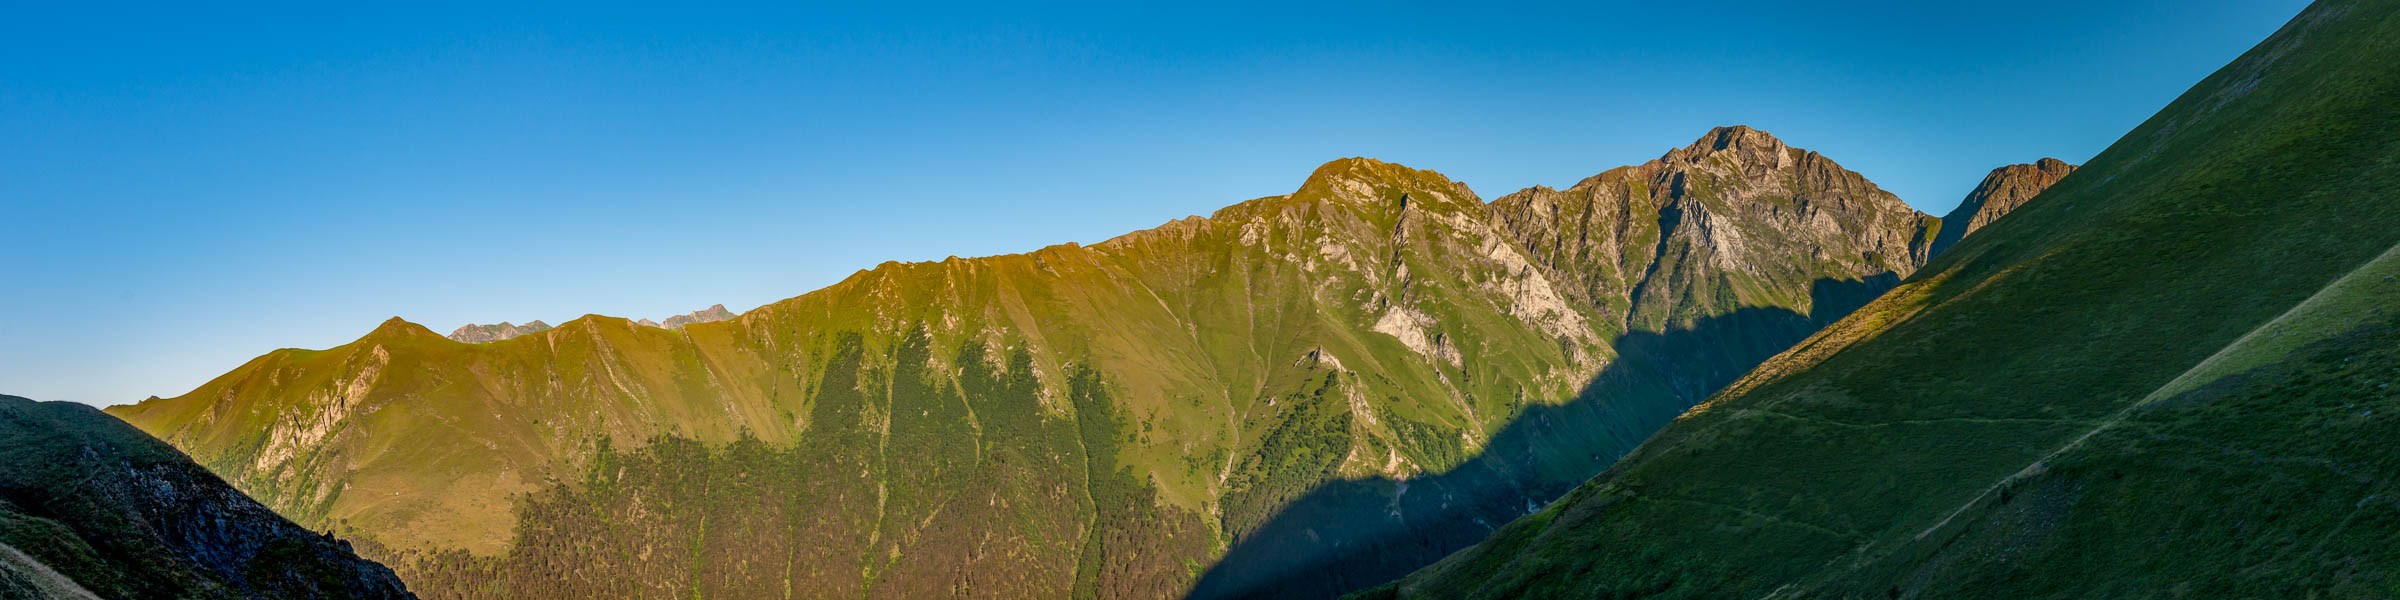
{"points": [[91, 506], [2267, 467], [1817, 473]]}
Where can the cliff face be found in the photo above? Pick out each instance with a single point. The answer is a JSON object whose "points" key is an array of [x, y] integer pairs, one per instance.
{"points": [[2004, 190], [92, 508], [1303, 393]]}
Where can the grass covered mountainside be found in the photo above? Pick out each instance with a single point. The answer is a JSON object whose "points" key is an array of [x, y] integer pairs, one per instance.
{"points": [[1307, 393], [91, 508], [2171, 375]]}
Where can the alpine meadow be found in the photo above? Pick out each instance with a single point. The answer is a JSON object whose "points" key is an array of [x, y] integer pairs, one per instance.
{"points": [[1737, 370]]}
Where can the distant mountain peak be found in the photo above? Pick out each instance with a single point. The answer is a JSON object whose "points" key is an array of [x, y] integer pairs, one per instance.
{"points": [[2004, 190], [478, 334], [716, 312]]}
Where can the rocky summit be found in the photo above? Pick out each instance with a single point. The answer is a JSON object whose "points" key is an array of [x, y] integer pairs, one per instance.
{"points": [[1706, 229], [2005, 189]]}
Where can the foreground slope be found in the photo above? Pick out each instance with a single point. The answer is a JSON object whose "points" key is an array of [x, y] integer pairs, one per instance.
{"points": [[91, 508], [1300, 394], [2167, 375]]}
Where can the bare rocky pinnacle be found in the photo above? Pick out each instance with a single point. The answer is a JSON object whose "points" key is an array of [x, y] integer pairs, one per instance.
{"points": [[2005, 189]]}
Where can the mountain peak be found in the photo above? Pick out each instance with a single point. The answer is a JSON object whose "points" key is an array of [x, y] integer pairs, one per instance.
{"points": [[1357, 177], [1356, 168], [712, 314], [398, 327], [2002, 191], [1725, 135], [131, 517], [1741, 141]]}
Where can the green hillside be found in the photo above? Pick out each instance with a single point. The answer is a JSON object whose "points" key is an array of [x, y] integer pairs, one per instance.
{"points": [[91, 508], [1308, 393], [2165, 377]]}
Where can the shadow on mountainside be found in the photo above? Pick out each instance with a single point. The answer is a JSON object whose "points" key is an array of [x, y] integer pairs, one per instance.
{"points": [[1348, 535]]}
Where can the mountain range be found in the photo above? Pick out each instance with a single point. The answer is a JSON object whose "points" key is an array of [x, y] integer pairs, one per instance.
{"points": [[478, 334], [1317, 392], [1738, 370]]}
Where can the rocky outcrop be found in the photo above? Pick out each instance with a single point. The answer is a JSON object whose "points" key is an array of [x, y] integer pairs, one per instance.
{"points": [[2005, 189], [477, 334], [711, 314], [91, 507]]}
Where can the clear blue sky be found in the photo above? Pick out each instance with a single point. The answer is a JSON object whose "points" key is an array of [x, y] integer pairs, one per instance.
{"points": [[182, 189]]}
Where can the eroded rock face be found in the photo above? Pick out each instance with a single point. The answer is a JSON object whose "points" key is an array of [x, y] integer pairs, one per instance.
{"points": [[2005, 189]]}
